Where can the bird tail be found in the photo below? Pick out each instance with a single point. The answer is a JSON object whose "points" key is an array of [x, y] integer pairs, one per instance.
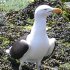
{"points": [[8, 50]]}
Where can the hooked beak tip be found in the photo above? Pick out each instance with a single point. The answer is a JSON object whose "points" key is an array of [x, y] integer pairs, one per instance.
{"points": [[57, 10]]}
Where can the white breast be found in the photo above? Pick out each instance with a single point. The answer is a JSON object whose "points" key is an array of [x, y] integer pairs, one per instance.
{"points": [[39, 46]]}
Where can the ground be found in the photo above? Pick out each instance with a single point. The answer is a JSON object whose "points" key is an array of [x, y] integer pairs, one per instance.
{"points": [[58, 27]]}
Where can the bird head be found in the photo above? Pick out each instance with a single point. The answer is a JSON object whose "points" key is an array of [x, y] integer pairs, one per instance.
{"points": [[46, 10]]}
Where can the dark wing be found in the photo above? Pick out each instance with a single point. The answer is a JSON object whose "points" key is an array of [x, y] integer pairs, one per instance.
{"points": [[19, 49]]}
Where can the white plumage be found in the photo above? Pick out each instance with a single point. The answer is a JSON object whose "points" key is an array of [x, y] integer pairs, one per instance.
{"points": [[39, 43]]}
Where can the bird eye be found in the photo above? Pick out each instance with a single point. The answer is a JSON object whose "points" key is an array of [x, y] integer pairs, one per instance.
{"points": [[45, 9]]}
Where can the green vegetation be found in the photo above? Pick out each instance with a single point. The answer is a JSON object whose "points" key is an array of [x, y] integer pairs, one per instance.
{"points": [[65, 0], [65, 66], [7, 5], [28, 27], [5, 41]]}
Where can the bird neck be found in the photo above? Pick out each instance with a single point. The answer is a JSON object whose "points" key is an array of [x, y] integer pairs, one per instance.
{"points": [[39, 26]]}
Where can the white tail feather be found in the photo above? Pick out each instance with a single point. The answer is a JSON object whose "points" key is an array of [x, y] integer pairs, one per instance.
{"points": [[8, 50]]}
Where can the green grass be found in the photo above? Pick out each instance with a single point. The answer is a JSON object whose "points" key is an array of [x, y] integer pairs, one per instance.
{"points": [[7, 5]]}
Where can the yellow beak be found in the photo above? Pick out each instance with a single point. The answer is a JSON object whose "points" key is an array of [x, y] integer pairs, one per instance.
{"points": [[57, 10]]}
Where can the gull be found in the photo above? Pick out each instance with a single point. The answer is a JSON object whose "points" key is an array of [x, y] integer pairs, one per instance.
{"points": [[37, 44]]}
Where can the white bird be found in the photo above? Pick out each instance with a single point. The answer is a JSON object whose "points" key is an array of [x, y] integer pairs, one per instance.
{"points": [[37, 44]]}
